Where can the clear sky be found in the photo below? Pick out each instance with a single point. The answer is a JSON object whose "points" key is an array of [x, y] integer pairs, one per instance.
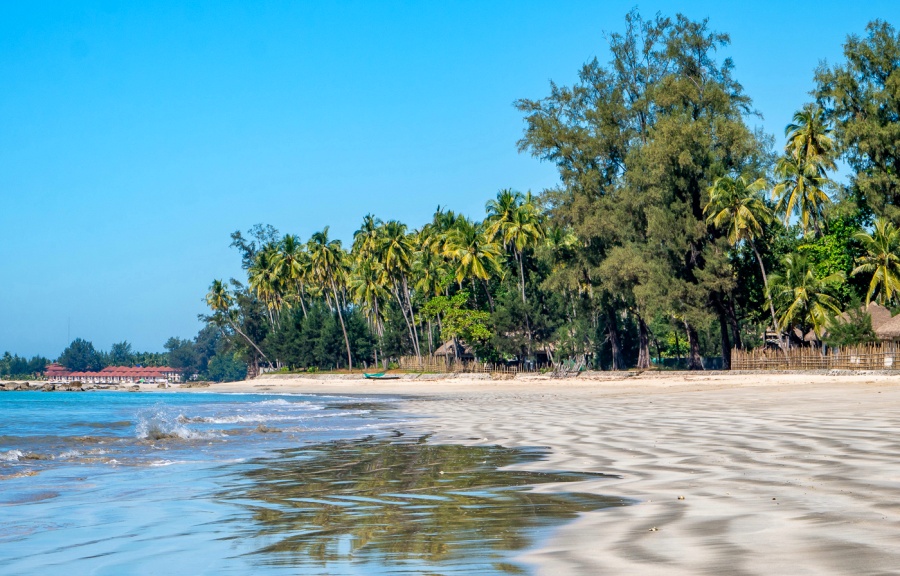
{"points": [[135, 136]]}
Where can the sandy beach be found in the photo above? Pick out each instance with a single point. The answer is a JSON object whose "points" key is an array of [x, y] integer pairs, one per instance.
{"points": [[779, 473]]}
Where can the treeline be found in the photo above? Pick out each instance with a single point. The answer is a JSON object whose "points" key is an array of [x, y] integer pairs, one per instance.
{"points": [[677, 229], [207, 357], [21, 368]]}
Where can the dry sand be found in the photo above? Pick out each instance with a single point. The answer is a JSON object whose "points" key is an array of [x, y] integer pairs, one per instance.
{"points": [[780, 474]]}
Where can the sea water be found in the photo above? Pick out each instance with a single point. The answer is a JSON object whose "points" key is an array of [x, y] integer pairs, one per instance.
{"points": [[206, 483]]}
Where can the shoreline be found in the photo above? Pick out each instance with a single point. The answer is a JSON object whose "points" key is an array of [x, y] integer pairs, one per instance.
{"points": [[779, 472]]}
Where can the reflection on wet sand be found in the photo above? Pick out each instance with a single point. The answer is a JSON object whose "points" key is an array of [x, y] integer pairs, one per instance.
{"points": [[404, 503]]}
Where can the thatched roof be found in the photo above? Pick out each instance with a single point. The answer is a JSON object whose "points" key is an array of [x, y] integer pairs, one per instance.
{"points": [[879, 314], [446, 349], [889, 330], [809, 337]]}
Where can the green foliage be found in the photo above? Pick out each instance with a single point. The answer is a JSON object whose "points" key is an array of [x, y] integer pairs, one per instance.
{"points": [[458, 321], [861, 96], [315, 339], [802, 298], [856, 328], [80, 356], [182, 356], [660, 239], [21, 368], [226, 368], [834, 253]]}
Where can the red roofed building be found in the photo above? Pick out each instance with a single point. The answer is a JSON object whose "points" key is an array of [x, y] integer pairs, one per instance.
{"points": [[114, 374]]}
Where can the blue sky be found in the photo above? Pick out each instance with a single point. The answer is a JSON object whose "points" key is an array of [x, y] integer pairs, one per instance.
{"points": [[135, 137]]}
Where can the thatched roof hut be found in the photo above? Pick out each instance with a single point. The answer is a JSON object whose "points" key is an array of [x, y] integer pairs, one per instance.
{"points": [[889, 330], [879, 314], [881, 317], [446, 350]]}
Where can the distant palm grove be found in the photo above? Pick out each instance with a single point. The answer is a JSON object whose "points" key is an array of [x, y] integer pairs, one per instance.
{"points": [[677, 231]]}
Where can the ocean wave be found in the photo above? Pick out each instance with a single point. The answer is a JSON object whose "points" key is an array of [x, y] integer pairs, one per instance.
{"points": [[72, 454], [337, 414], [159, 423], [11, 456], [281, 402]]}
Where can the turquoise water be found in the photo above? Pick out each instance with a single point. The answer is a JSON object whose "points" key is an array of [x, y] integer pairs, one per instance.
{"points": [[159, 483]]}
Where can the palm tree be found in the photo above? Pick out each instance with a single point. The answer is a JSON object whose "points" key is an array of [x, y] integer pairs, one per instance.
{"points": [[395, 252], [475, 255], [365, 240], [293, 265], [802, 297], [369, 294], [266, 281], [801, 191], [501, 210], [221, 302], [327, 259], [803, 171], [736, 206], [882, 260], [809, 138], [522, 230]]}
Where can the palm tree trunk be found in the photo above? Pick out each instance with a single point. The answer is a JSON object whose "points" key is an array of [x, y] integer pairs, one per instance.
{"points": [[521, 275], [343, 327], [249, 341], [407, 320], [769, 298], [302, 300], [488, 292], [412, 318]]}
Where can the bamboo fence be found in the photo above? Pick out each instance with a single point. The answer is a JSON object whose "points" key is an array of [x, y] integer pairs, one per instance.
{"points": [[454, 365], [876, 356]]}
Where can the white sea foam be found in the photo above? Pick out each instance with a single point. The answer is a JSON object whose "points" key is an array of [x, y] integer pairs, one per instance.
{"points": [[157, 423], [282, 402], [11, 456]]}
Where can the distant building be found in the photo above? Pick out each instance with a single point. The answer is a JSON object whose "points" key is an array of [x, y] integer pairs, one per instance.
{"points": [[113, 374]]}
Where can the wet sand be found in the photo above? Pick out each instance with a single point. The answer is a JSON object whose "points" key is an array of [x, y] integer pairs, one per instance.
{"points": [[779, 473]]}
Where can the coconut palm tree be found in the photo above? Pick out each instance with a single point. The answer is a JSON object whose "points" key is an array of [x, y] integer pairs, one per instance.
{"points": [[737, 207], [293, 266], [882, 260], [802, 298], [800, 191], [370, 294], [475, 256], [327, 260], [523, 230], [266, 281], [809, 138], [395, 251], [501, 210], [365, 240], [803, 170], [221, 301]]}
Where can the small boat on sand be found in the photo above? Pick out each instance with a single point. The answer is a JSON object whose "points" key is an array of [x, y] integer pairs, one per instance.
{"points": [[379, 376]]}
